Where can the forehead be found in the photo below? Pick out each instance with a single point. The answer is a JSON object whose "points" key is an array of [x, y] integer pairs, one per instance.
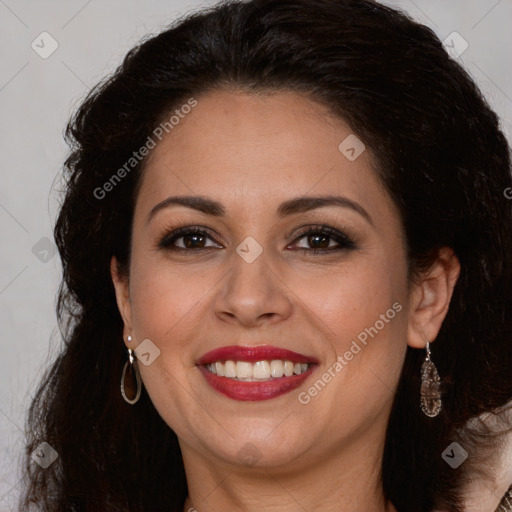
{"points": [[259, 148]]}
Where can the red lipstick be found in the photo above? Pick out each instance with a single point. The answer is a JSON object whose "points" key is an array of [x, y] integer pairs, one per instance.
{"points": [[254, 390]]}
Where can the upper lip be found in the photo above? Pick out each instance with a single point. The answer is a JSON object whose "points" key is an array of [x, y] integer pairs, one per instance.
{"points": [[252, 354]]}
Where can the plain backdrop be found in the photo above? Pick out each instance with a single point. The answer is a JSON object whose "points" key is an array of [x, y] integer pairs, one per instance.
{"points": [[37, 96]]}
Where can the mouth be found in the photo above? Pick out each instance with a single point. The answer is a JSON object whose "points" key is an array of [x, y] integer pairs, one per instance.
{"points": [[255, 373]]}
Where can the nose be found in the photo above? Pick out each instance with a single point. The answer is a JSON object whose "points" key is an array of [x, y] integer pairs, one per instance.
{"points": [[253, 294]]}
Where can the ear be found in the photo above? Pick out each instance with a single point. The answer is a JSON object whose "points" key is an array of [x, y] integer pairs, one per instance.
{"points": [[430, 299], [122, 289]]}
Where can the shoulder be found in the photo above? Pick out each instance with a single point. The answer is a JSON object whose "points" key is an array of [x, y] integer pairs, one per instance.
{"points": [[489, 482]]}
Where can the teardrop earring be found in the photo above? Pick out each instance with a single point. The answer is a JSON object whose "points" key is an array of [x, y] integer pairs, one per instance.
{"points": [[131, 384], [430, 387]]}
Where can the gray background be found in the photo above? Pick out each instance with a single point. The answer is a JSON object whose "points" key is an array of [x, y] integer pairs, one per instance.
{"points": [[36, 98]]}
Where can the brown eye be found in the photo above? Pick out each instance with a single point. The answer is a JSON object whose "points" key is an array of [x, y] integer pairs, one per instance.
{"points": [[320, 239], [192, 238]]}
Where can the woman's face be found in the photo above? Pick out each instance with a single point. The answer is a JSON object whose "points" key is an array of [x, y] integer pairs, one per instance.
{"points": [[253, 279]]}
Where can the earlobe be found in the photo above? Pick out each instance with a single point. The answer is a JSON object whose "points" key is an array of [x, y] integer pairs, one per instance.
{"points": [[122, 291], [430, 298]]}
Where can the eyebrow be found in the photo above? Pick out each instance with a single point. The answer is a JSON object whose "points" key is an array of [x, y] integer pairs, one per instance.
{"points": [[289, 207]]}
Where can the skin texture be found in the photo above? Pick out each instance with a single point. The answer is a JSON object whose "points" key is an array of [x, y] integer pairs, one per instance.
{"points": [[252, 152]]}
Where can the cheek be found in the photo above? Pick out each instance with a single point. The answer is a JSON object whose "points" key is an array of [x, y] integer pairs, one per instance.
{"points": [[361, 313], [343, 302], [166, 300]]}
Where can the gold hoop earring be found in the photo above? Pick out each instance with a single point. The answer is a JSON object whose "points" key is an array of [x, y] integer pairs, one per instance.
{"points": [[430, 387], [131, 384]]}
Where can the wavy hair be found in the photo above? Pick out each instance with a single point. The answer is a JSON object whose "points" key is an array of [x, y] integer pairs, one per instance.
{"points": [[440, 154]]}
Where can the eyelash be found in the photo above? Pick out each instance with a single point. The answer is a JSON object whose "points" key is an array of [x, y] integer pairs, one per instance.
{"points": [[345, 242]]}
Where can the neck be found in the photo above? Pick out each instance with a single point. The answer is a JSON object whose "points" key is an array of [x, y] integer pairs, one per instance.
{"points": [[343, 481]]}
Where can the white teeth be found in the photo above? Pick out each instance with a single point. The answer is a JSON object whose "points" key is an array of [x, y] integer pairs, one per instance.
{"points": [[276, 368], [243, 370], [220, 369], [229, 369], [260, 370]]}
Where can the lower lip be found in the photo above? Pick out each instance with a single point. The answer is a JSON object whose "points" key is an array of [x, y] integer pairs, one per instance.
{"points": [[255, 391]]}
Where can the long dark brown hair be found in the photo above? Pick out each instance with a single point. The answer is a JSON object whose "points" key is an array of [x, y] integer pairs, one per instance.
{"points": [[442, 158]]}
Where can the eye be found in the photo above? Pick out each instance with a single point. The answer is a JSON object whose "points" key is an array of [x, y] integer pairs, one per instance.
{"points": [[192, 238], [321, 237]]}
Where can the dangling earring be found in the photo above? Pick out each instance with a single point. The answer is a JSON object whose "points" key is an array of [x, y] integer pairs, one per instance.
{"points": [[430, 387], [131, 384]]}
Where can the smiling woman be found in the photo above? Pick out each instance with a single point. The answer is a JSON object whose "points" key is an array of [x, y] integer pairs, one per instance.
{"points": [[300, 298]]}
